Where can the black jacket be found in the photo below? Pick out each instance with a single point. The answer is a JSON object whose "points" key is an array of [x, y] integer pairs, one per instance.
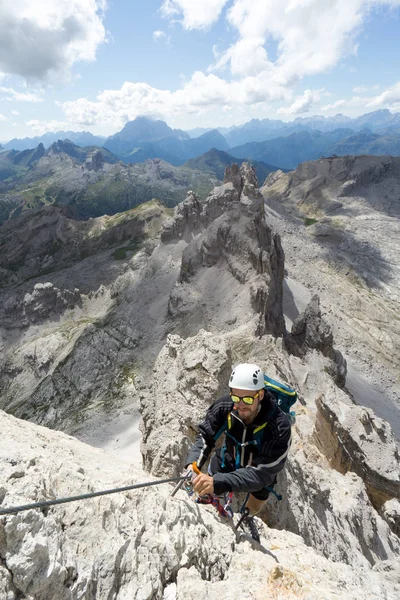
{"points": [[253, 454]]}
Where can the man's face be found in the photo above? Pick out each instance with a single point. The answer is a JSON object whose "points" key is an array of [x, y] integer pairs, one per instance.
{"points": [[247, 412]]}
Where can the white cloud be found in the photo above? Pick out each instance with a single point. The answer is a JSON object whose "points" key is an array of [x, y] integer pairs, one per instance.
{"points": [[15, 113], [311, 36], [302, 104], [334, 105], [7, 93], [41, 127], [157, 35], [197, 14], [38, 39], [201, 94], [2, 117], [388, 99], [360, 89], [161, 36]]}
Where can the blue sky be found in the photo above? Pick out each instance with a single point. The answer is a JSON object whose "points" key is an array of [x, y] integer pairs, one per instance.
{"points": [[94, 64]]}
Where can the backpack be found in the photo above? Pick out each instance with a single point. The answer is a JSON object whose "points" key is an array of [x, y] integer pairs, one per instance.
{"points": [[284, 395]]}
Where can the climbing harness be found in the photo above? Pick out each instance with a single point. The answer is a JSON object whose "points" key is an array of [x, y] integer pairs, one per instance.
{"points": [[45, 503], [223, 507]]}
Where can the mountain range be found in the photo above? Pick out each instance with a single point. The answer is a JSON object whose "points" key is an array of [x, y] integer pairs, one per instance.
{"points": [[91, 181], [80, 138], [273, 141]]}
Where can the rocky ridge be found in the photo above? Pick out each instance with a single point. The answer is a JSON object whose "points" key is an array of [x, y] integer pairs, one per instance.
{"points": [[50, 239], [309, 331], [341, 215], [231, 250]]}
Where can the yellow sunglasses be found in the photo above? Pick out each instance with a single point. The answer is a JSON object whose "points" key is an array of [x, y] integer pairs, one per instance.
{"points": [[245, 399]]}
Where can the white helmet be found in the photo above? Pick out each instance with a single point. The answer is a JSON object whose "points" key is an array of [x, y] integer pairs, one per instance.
{"points": [[247, 377]]}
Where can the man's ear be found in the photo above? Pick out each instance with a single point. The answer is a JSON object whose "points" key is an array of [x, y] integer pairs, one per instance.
{"points": [[262, 392]]}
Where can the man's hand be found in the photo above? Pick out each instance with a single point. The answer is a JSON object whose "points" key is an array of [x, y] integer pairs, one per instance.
{"points": [[203, 484]]}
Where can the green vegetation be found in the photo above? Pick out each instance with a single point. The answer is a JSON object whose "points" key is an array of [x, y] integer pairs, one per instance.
{"points": [[215, 161], [35, 194], [309, 221], [69, 329], [112, 190], [337, 222], [119, 254]]}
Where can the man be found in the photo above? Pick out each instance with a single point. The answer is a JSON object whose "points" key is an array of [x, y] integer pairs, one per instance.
{"points": [[257, 441]]}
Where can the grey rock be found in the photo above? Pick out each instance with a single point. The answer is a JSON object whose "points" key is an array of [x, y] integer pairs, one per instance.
{"points": [[189, 374], [354, 267], [354, 439], [186, 222], [311, 331], [391, 514], [49, 239], [235, 240], [137, 544]]}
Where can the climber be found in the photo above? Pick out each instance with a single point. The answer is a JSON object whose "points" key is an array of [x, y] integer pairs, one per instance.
{"points": [[257, 441]]}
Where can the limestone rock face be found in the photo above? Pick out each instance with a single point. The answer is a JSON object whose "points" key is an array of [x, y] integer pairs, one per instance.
{"points": [[391, 514], [311, 331], [44, 301], [49, 239], [95, 161], [143, 544], [233, 176], [354, 439], [186, 222], [314, 492], [188, 375]]}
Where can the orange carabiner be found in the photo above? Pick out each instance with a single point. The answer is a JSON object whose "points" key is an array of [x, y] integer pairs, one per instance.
{"points": [[196, 468]]}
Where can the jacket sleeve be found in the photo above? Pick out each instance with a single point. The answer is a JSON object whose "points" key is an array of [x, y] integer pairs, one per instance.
{"points": [[209, 431], [267, 465]]}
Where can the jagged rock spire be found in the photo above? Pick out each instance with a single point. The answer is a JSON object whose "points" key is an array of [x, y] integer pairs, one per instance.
{"points": [[228, 241]]}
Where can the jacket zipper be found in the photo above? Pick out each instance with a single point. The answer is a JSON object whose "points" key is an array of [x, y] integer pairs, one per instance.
{"points": [[243, 447]]}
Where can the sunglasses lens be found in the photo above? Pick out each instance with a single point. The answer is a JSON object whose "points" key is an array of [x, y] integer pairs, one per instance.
{"points": [[248, 399], [245, 399]]}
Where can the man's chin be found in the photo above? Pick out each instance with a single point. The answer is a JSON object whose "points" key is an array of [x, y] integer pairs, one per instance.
{"points": [[244, 413]]}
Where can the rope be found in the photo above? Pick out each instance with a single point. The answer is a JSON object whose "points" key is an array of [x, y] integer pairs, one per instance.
{"points": [[46, 503]]}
